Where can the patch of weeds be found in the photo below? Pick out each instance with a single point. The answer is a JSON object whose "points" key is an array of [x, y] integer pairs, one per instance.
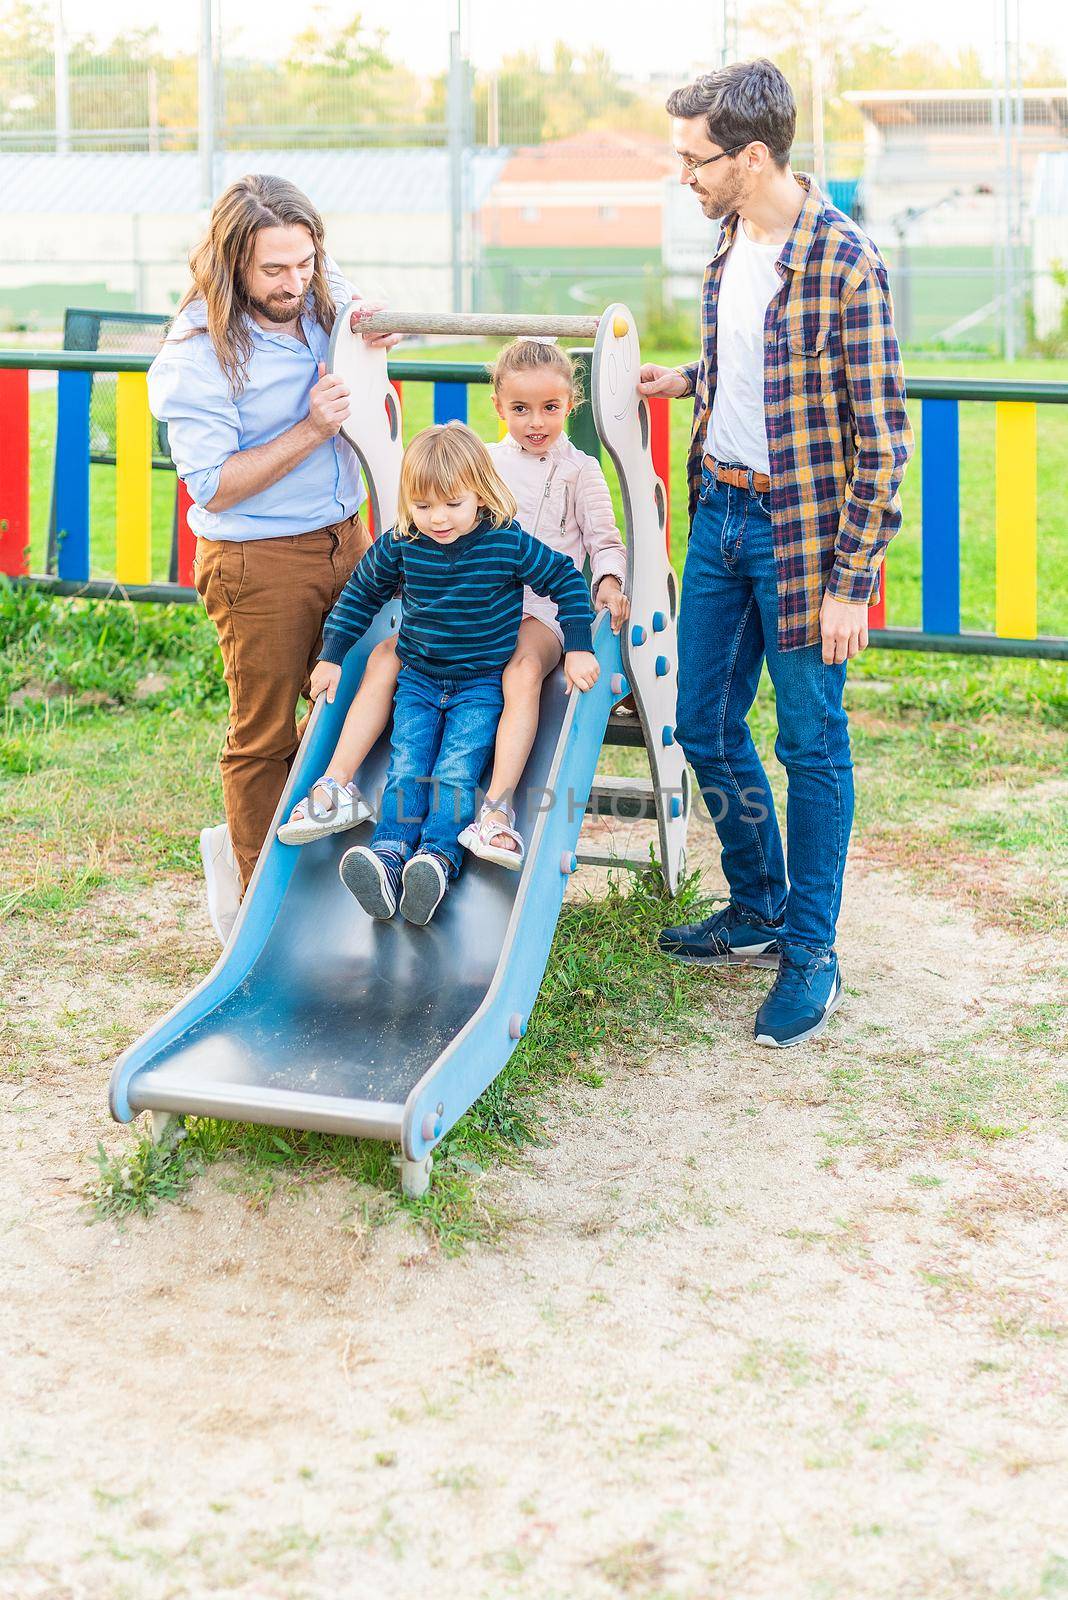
{"points": [[657, 1438], [458, 1480], [981, 1087], [284, 1543], [632, 1568], [385, 1530], [925, 1180], [1055, 1576], [105, 648], [141, 1178], [604, 964], [905, 1441], [764, 1360]]}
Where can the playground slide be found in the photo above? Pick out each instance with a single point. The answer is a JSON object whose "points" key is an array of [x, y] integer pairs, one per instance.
{"points": [[316, 1016]]}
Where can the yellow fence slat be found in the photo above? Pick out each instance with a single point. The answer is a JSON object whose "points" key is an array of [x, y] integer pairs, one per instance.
{"points": [[1016, 520], [133, 479]]}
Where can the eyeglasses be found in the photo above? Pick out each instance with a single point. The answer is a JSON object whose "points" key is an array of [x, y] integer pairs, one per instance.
{"points": [[691, 165]]}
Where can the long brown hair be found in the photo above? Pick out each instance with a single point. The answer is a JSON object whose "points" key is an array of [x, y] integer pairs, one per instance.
{"points": [[221, 261]]}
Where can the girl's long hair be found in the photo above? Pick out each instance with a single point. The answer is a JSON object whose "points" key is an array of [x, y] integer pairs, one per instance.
{"points": [[221, 262], [449, 460]]}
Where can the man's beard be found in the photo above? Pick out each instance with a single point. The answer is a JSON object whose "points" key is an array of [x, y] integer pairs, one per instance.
{"points": [[276, 311], [725, 199]]}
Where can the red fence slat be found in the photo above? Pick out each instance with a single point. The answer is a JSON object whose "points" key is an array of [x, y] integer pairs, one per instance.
{"points": [[187, 539], [660, 448]]}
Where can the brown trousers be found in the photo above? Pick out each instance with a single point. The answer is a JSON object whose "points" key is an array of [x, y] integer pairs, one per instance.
{"points": [[268, 599]]}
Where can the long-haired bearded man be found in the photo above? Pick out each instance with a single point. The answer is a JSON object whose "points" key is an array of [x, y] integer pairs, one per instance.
{"points": [[253, 420]]}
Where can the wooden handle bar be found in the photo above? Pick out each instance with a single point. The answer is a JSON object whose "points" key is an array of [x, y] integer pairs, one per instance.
{"points": [[479, 323]]}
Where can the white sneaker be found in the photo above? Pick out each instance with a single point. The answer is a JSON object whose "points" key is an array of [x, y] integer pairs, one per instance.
{"points": [[221, 879], [312, 819]]}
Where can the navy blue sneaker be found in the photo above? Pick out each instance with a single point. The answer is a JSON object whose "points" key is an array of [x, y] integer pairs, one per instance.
{"points": [[725, 939], [374, 877], [803, 998]]}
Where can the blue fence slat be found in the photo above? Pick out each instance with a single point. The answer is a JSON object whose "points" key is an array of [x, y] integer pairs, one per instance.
{"points": [[72, 475], [450, 402], [940, 422]]}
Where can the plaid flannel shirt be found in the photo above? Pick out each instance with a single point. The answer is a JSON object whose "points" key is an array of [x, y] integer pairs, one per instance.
{"points": [[834, 406]]}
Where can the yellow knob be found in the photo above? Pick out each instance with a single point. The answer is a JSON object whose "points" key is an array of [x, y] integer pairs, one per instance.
{"points": [[620, 327]]}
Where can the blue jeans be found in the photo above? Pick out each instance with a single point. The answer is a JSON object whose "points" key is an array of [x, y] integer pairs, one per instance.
{"points": [[443, 735], [728, 620]]}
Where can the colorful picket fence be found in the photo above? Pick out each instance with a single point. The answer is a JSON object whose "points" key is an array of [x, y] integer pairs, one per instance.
{"points": [[1016, 512]]}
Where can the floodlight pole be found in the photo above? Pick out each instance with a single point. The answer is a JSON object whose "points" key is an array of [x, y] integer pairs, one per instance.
{"points": [[457, 123], [819, 153], [62, 80], [206, 104]]}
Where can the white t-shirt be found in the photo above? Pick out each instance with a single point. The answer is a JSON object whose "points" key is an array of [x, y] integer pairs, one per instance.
{"points": [[736, 431]]}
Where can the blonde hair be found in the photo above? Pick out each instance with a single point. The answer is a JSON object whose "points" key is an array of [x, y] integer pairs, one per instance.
{"points": [[448, 460], [536, 355], [220, 264]]}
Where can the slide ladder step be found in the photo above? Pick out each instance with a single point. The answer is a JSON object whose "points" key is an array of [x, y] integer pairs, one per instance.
{"points": [[624, 731], [628, 799], [631, 861]]}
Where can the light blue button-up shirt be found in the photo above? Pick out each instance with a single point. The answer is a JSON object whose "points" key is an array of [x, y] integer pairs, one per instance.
{"points": [[206, 424]]}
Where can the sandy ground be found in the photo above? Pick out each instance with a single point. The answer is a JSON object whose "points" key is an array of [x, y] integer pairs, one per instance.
{"points": [[727, 1345]]}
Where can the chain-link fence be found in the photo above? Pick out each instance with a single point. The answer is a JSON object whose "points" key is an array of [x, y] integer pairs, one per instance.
{"points": [[553, 185]]}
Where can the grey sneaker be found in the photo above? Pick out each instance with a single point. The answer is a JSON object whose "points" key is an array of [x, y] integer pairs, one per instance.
{"points": [[374, 878], [425, 880]]}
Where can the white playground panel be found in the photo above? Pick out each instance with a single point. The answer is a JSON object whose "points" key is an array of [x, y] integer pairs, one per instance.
{"points": [[648, 641], [650, 646]]}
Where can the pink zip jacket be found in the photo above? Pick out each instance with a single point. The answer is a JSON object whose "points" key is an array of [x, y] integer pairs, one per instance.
{"points": [[564, 501]]}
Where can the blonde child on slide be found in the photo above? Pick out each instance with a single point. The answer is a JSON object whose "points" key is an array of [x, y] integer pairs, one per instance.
{"points": [[461, 562], [563, 500]]}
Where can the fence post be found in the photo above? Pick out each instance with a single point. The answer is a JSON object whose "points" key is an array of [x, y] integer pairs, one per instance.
{"points": [[581, 426]]}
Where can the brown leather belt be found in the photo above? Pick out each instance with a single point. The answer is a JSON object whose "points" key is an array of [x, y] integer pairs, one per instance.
{"points": [[739, 477]]}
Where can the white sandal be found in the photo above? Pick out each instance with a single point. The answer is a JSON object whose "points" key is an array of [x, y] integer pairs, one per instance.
{"points": [[345, 809], [477, 835]]}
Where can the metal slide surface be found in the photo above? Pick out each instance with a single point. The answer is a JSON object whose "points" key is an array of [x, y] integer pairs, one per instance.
{"points": [[316, 1016]]}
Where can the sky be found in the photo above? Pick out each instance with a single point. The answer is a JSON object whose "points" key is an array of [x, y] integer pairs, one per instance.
{"points": [[685, 36]]}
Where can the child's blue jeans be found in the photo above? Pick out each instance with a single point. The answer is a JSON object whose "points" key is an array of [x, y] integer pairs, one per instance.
{"points": [[443, 736]]}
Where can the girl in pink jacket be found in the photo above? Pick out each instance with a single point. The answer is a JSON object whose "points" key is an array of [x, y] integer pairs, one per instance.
{"points": [[563, 500]]}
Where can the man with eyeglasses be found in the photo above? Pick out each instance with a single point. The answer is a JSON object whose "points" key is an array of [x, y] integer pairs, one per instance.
{"points": [[800, 439]]}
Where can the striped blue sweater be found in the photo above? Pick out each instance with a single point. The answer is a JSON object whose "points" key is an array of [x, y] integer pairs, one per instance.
{"points": [[462, 602]]}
